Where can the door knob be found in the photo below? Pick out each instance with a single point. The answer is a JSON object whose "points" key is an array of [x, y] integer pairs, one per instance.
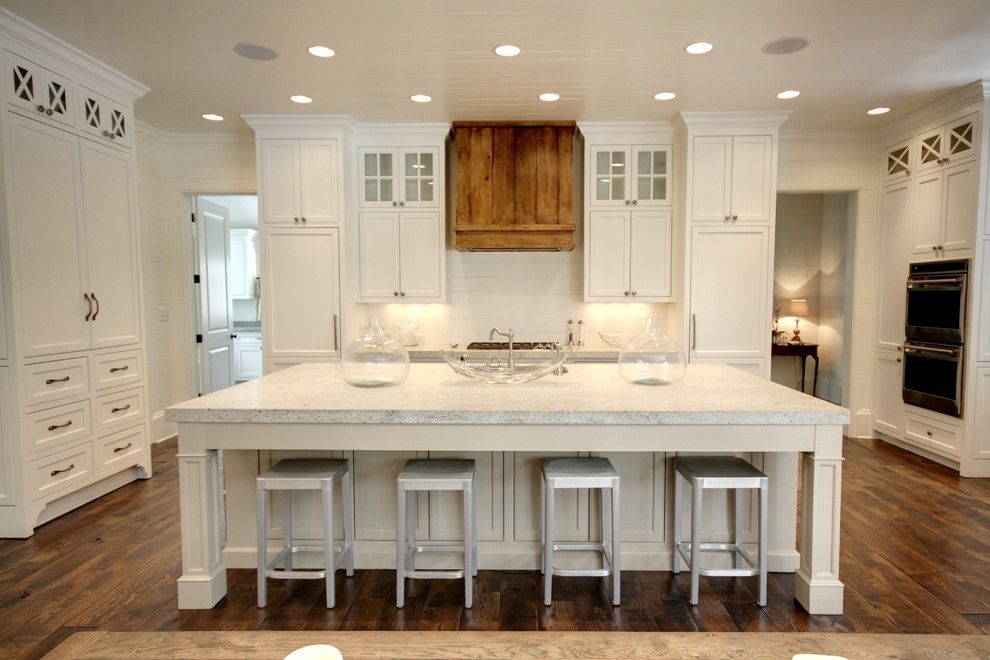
{"points": [[233, 336]]}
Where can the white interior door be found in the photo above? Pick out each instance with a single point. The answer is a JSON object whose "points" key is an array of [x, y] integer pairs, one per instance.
{"points": [[216, 351], [111, 247], [48, 248], [420, 252]]}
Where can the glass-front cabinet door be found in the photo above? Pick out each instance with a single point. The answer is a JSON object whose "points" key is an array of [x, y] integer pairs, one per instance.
{"points": [[418, 187], [377, 177], [651, 176], [610, 165]]}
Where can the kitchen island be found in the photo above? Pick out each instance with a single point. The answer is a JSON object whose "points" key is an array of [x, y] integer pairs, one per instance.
{"points": [[436, 412]]}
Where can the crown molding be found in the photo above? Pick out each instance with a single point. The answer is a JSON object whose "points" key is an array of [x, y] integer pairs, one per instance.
{"points": [[975, 92], [831, 135], [20, 33], [265, 123], [766, 120], [663, 130]]}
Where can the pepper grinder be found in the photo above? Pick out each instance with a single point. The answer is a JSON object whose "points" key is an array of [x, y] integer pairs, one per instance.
{"points": [[580, 336], [570, 332]]}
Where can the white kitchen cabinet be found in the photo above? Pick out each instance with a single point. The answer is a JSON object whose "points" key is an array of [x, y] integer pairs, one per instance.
{"points": [[628, 256], [951, 142], [243, 264], [446, 508], [888, 415], [106, 119], [399, 177], [48, 242], [731, 179], [111, 245], [300, 182], [39, 90], [631, 175], [895, 216], [248, 362], [401, 256], [897, 161], [730, 293], [301, 287], [945, 210], [980, 448]]}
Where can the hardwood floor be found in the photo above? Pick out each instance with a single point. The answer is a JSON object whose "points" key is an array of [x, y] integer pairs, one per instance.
{"points": [[915, 559]]}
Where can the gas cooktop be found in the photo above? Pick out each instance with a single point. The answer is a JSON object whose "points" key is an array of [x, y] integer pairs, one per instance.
{"points": [[516, 345]]}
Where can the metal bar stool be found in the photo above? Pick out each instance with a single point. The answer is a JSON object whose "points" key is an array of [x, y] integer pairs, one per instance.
{"points": [[426, 475], [593, 472], [734, 474], [305, 474]]}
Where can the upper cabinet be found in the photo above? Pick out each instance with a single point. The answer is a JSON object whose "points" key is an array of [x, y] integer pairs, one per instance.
{"points": [[300, 182], [630, 175], [107, 119], [398, 177], [950, 143], [401, 256], [39, 90], [945, 210], [731, 179], [628, 256], [897, 161]]}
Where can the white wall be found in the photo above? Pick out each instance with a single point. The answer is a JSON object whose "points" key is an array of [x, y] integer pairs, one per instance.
{"points": [[829, 161], [170, 167]]}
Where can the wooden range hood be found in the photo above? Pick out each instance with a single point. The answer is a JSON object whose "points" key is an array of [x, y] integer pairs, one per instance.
{"points": [[514, 185]]}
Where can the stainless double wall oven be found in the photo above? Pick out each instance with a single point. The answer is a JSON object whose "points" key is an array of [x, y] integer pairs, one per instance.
{"points": [[935, 335]]}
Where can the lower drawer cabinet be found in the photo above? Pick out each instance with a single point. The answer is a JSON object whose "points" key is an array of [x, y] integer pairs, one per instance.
{"points": [[59, 379], [62, 471], [115, 411], [932, 435], [120, 450], [59, 426]]}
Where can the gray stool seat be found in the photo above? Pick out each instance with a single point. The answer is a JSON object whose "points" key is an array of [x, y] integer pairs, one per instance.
{"points": [[586, 472], [305, 474], [426, 475], [719, 472]]}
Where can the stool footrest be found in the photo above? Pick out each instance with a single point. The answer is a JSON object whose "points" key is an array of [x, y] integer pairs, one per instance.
{"points": [[684, 549], [437, 548], [596, 547], [434, 575], [304, 574], [582, 572]]}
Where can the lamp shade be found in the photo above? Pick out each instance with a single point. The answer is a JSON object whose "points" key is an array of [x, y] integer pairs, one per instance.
{"points": [[798, 307]]}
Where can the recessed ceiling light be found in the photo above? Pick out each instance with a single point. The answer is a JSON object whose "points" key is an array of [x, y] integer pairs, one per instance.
{"points": [[212, 117], [507, 50], [699, 48], [664, 96], [785, 46], [421, 98], [321, 51], [300, 98], [788, 94], [549, 96], [878, 111], [255, 51]]}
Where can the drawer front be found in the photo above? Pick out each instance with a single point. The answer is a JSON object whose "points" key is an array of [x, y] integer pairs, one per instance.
{"points": [[113, 369], [933, 435], [62, 471], [61, 379], [58, 426], [120, 450], [113, 411]]}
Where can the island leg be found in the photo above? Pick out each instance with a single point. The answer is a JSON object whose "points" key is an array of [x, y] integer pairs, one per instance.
{"points": [[204, 579], [816, 584]]}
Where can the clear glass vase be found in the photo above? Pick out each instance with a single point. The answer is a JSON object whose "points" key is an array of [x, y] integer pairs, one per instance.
{"points": [[652, 357], [375, 358]]}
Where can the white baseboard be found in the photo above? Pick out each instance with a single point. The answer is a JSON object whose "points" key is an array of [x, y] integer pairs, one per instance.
{"points": [[914, 449]]}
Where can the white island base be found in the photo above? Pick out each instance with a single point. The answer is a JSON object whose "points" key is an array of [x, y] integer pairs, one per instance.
{"points": [[506, 429]]}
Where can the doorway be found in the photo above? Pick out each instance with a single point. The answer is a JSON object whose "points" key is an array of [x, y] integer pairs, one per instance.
{"points": [[813, 280], [228, 290]]}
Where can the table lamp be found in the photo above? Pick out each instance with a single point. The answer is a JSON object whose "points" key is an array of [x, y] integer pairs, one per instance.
{"points": [[797, 308]]}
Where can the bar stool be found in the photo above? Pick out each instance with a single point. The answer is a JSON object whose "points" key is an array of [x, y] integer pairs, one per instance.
{"points": [[305, 474], [732, 473], [426, 475], [592, 472]]}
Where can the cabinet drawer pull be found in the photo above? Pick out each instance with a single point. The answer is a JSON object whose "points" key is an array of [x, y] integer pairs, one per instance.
{"points": [[52, 427], [114, 370], [52, 381], [120, 408], [124, 448], [55, 473]]}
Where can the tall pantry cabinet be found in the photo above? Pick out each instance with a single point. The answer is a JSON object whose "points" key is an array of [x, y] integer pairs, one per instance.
{"points": [[731, 189], [73, 387], [301, 204]]}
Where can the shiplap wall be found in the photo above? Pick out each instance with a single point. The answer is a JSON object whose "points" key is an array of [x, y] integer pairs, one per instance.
{"points": [[825, 161]]}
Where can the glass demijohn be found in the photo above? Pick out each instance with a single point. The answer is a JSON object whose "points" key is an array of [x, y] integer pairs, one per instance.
{"points": [[375, 358], [652, 357]]}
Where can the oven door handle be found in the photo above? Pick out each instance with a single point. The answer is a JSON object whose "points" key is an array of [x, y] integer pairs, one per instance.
{"points": [[924, 284], [941, 351]]}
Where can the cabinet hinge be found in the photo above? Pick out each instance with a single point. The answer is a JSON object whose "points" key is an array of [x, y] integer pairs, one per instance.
{"points": [[195, 279], [199, 339]]}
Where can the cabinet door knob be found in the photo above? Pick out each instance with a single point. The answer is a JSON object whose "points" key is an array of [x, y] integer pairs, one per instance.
{"points": [[106, 134], [395, 203], [295, 219], [40, 108], [395, 293], [402, 293], [726, 217], [929, 433], [233, 336], [402, 203], [303, 219], [734, 217], [945, 160], [628, 202], [898, 359], [625, 293], [934, 248], [634, 292], [635, 202], [48, 112]]}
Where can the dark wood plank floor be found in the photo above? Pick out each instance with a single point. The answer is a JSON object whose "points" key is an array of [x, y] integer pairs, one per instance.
{"points": [[915, 559]]}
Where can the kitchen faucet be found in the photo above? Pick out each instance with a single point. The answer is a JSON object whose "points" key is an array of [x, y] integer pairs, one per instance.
{"points": [[508, 335]]}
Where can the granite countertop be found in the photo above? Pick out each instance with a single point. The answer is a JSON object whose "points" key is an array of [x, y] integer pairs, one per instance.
{"points": [[434, 394]]}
